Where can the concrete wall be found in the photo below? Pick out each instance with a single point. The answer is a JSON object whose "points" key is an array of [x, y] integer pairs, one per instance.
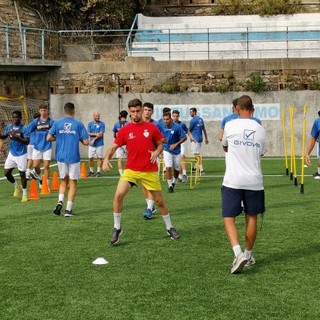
{"points": [[108, 106]]}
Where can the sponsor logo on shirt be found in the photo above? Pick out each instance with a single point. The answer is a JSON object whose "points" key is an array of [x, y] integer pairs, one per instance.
{"points": [[67, 129], [146, 133], [248, 136], [131, 136]]}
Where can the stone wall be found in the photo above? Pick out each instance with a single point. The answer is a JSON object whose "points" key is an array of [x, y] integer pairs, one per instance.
{"points": [[8, 15]]}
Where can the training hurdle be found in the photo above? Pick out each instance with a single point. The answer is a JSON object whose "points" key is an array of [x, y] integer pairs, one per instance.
{"points": [[194, 177]]}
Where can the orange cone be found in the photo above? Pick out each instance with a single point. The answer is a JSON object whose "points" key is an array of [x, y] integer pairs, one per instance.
{"points": [[44, 186], [55, 182], [33, 192], [83, 172]]}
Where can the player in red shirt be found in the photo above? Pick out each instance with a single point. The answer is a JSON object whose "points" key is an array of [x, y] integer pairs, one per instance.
{"points": [[144, 144]]}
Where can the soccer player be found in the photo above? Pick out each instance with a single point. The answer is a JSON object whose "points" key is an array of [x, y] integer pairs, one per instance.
{"points": [[174, 137], [68, 132], [42, 149], [30, 149], [96, 129], [314, 139], [147, 117], [144, 144], [195, 129], [121, 152], [244, 143], [17, 157], [175, 117]]}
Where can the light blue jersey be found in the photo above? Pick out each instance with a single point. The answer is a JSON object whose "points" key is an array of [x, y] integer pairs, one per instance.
{"points": [[68, 132], [17, 148], [118, 125], [196, 127], [96, 127], [40, 128], [173, 134]]}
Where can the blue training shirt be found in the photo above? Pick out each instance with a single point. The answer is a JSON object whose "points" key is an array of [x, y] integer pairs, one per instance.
{"points": [[40, 128], [96, 127], [196, 127], [173, 134], [118, 125], [17, 148], [68, 132]]}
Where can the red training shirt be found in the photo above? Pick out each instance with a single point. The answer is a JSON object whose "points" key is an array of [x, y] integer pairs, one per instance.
{"points": [[139, 138]]}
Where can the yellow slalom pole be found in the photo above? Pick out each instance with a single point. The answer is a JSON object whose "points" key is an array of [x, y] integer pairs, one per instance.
{"points": [[303, 147], [284, 137], [295, 181], [291, 142]]}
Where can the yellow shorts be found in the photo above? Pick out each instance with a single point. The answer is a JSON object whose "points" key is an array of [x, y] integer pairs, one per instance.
{"points": [[150, 180]]}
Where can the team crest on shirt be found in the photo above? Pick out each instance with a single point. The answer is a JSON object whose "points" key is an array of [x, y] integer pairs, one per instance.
{"points": [[67, 127], [131, 136], [248, 134], [172, 131], [146, 133]]}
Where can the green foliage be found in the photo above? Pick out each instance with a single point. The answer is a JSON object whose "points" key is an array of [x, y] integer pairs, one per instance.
{"points": [[260, 7], [256, 83], [86, 14], [315, 84], [222, 87], [170, 87]]}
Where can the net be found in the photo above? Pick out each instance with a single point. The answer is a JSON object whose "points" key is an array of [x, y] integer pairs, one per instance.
{"points": [[27, 106]]}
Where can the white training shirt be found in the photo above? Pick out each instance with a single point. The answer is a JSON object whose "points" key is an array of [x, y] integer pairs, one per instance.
{"points": [[245, 139]]}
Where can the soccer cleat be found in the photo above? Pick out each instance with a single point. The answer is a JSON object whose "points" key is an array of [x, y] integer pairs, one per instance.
{"points": [[154, 209], [17, 191], [28, 176], [203, 172], [24, 198], [250, 262], [179, 180], [114, 239], [173, 234], [238, 263], [68, 213], [147, 214], [58, 208], [316, 176], [34, 175], [184, 178], [91, 174], [170, 189], [98, 174]]}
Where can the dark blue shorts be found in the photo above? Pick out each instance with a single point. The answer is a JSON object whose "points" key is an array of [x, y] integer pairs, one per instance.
{"points": [[234, 201]]}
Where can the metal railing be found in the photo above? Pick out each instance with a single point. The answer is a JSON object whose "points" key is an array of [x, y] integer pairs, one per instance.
{"points": [[28, 43]]}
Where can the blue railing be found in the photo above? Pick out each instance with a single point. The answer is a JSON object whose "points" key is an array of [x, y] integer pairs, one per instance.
{"points": [[28, 43]]}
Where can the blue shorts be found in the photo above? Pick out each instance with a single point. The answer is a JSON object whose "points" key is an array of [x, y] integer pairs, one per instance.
{"points": [[234, 201]]}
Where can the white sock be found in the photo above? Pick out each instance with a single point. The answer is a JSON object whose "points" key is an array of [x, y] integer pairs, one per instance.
{"points": [[28, 171], [247, 254], [167, 221], [117, 220], [174, 180], [69, 205], [180, 176], [24, 192], [169, 182], [201, 168], [15, 184], [61, 197], [236, 250], [98, 169], [150, 204], [184, 172], [319, 170], [120, 172], [91, 169]]}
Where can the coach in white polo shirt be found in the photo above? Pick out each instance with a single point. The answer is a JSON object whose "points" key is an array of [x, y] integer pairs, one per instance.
{"points": [[242, 188]]}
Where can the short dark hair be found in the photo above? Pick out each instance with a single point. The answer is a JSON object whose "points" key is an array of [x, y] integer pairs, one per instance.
{"points": [[123, 114], [245, 102], [165, 110], [234, 102], [69, 108], [134, 103], [176, 112], [194, 110], [148, 105], [18, 113], [43, 106]]}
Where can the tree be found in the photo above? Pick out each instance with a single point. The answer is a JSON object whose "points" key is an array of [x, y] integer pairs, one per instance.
{"points": [[86, 14]]}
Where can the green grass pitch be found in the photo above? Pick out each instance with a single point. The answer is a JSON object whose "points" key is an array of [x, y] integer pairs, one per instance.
{"points": [[46, 266]]}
